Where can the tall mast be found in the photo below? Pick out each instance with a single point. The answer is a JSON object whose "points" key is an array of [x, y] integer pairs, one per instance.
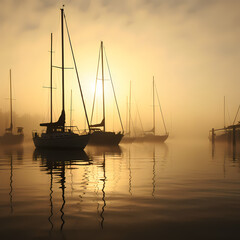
{"points": [[127, 115], [62, 36], [153, 109], [11, 125], [224, 112], [103, 87], [71, 111], [51, 79], [130, 111]]}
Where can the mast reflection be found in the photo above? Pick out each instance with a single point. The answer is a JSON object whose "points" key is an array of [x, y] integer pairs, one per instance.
{"points": [[54, 162], [154, 173], [11, 184], [130, 172], [103, 190], [99, 155], [160, 157], [12, 152]]}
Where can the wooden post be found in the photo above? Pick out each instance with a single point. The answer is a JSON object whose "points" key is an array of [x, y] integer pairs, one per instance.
{"points": [[213, 136], [234, 142]]}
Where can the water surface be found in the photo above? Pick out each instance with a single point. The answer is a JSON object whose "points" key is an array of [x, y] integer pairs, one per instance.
{"points": [[176, 190]]}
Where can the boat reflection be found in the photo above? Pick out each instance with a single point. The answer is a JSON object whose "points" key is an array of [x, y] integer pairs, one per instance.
{"points": [[11, 153], [100, 155], [103, 172], [15, 151], [101, 151], [103, 190], [54, 162]]}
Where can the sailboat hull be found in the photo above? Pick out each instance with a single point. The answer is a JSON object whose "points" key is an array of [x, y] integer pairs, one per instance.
{"points": [[11, 139], [61, 141], [105, 138]]}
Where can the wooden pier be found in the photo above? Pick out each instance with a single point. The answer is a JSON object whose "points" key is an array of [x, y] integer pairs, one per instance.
{"points": [[229, 134]]}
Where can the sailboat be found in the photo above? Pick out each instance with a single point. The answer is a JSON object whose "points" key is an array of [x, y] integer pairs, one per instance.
{"points": [[9, 138], [58, 135], [99, 134], [151, 135]]}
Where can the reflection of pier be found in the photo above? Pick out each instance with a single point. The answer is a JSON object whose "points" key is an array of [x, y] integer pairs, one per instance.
{"points": [[228, 152], [228, 134], [54, 162]]}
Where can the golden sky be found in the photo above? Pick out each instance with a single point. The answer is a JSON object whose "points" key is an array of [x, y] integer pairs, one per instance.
{"points": [[192, 47]]}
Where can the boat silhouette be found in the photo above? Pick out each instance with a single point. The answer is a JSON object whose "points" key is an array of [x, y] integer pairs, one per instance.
{"points": [[9, 137], [58, 135], [150, 136], [99, 135]]}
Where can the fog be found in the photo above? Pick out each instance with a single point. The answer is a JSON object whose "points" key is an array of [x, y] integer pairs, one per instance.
{"points": [[191, 47]]}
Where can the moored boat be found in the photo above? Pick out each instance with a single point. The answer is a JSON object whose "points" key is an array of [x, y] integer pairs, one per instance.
{"points": [[57, 135], [99, 135], [151, 136], [9, 137]]}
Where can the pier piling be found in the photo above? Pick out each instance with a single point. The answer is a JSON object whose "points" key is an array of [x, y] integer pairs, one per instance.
{"points": [[213, 135]]}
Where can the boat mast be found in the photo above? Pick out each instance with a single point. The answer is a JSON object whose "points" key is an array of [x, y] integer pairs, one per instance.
{"points": [[62, 36], [51, 79], [224, 112], [11, 125], [127, 114], [103, 87], [71, 111], [153, 109], [130, 111]]}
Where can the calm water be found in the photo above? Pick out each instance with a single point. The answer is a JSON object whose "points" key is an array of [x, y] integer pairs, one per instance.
{"points": [[177, 190]]}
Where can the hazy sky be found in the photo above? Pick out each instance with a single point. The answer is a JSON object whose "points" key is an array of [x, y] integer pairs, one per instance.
{"points": [[192, 47]]}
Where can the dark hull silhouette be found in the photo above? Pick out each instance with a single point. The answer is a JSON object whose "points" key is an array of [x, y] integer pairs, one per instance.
{"points": [[155, 138], [11, 139], [63, 140], [105, 138]]}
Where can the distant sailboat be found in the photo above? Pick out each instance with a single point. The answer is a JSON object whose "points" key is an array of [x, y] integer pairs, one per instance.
{"points": [[57, 134], [99, 134], [9, 138], [224, 134], [151, 135]]}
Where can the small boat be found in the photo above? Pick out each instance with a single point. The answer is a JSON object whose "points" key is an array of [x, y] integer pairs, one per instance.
{"points": [[9, 138], [57, 135], [150, 136], [99, 135]]}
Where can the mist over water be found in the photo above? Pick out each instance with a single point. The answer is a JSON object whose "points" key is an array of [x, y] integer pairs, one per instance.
{"points": [[180, 189]]}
